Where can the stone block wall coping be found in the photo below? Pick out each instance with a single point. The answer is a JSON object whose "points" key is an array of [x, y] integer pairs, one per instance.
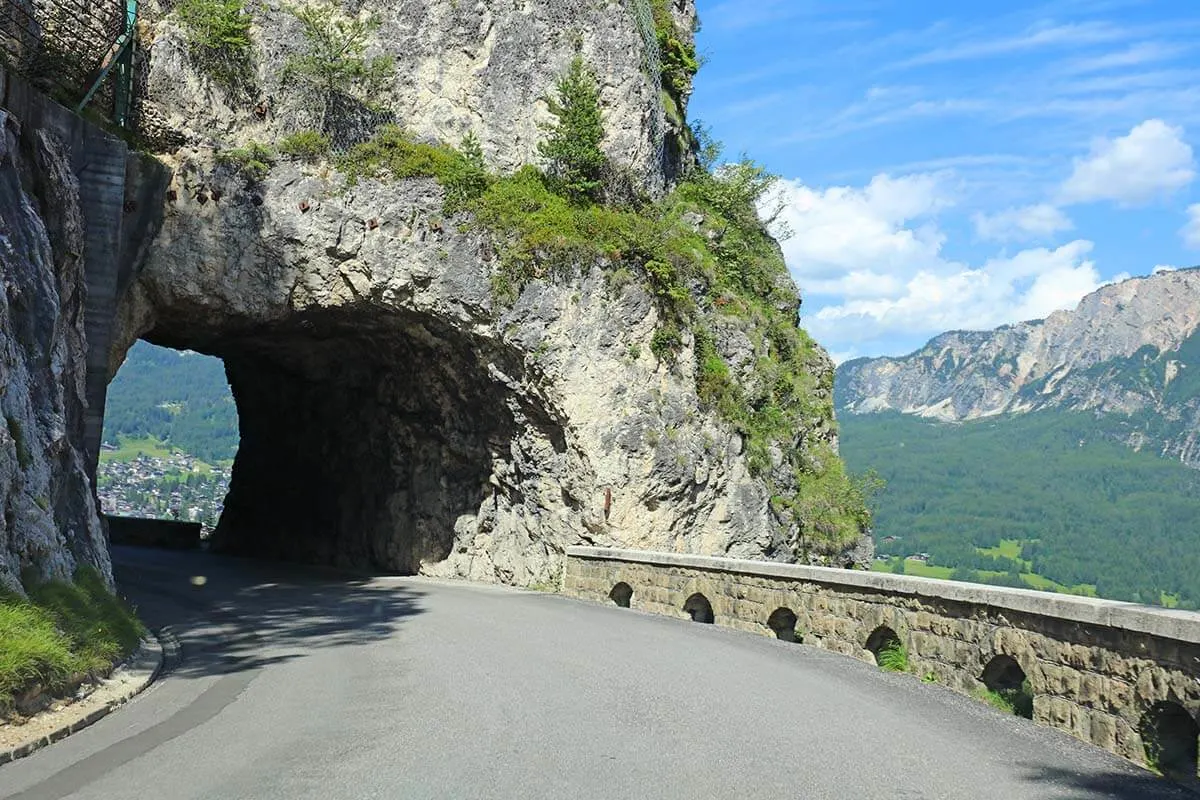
{"points": [[1183, 626]]}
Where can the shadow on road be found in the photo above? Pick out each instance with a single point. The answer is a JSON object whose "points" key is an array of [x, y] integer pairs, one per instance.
{"points": [[1111, 785], [232, 615]]}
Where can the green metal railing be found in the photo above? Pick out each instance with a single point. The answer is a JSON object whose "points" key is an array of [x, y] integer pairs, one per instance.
{"points": [[79, 51]]}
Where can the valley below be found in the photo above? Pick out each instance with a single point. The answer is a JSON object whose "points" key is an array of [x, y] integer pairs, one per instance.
{"points": [[1056, 454]]}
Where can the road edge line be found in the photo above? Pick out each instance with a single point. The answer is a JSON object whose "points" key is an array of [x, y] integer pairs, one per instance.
{"points": [[146, 664]]}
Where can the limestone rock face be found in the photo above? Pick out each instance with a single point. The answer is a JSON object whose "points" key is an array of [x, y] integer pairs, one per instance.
{"points": [[49, 522], [479, 66], [394, 415]]}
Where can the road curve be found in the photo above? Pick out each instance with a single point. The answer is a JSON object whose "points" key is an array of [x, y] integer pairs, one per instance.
{"points": [[303, 683]]}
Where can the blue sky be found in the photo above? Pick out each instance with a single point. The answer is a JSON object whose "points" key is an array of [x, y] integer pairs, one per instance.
{"points": [[961, 164]]}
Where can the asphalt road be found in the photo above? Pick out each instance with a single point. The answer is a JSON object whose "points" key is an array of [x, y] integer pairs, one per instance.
{"points": [[300, 683]]}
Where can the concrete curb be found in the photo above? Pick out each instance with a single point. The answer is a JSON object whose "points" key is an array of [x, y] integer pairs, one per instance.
{"points": [[141, 669]]}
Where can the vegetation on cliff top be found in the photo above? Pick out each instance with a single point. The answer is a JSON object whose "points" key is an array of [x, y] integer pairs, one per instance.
{"points": [[676, 52], [218, 36], [61, 633]]}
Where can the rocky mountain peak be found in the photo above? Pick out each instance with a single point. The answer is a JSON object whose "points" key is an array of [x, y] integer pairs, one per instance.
{"points": [[1130, 350], [963, 375]]}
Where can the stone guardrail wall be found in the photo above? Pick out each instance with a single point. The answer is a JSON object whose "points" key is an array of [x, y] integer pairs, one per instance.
{"points": [[1121, 676], [143, 532]]}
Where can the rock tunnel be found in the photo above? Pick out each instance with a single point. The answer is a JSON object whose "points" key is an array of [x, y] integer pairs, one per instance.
{"points": [[363, 442]]}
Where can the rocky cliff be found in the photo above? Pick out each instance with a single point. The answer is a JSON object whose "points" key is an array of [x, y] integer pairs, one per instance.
{"points": [[421, 388], [1129, 351], [484, 68], [49, 523]]}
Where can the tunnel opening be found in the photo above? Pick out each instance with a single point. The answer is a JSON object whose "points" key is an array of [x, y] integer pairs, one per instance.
{"points": [[169, 438], [887, 648], [1171, 740], [621, 594], [1007, 687], [366, 440], [783, 622], [699, 609]]}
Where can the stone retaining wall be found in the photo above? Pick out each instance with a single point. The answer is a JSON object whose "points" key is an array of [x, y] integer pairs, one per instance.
{"points": [[168, 534], [1103, 671]]}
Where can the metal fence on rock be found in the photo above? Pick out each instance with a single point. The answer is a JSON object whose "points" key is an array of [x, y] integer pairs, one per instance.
{"points": [[78, 51]]}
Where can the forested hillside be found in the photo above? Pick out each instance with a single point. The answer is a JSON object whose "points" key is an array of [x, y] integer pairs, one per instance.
{"points": [[1050, 494], [181, 399]]}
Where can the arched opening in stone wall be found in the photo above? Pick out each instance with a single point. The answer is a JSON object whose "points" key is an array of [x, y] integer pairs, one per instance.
{"points": [[1171, 739], [621, 594], [1007, 686], [366, 439], [783, 622], [169, 438], [887, 648], [700, 610]]}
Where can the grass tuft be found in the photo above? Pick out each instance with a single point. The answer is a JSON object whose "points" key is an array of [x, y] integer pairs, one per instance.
{"points": [[394, 153], [310, 146], [1017, 701], [62, 630], [254, 160], [893, 657]]}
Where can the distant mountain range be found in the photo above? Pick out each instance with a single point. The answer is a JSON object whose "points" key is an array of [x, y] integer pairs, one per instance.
{"points": [[1129, 352], [1060, 453]]}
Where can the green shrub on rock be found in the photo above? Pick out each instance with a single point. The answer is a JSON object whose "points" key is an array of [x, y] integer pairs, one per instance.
{"points": [[254, 160], [678, 55], [332, 67], [218, 33], [305, 145]]}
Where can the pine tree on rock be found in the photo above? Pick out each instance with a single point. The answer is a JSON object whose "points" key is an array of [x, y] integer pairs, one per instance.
{"points": [[576, 162]]}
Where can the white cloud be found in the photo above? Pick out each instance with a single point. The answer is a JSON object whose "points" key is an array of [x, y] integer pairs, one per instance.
{"points": [[1163, 268], [1134, 55], [1029, 285], [1036, 37], [870, 262], [1028, 223], [1191, 230], [856, 241], [840, 357], [1152, 160]]}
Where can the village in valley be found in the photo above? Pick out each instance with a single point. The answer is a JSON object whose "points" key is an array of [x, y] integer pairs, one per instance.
{"points": [[159, 483]]}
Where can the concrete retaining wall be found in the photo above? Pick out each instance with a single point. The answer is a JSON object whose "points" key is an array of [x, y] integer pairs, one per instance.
{"points": [[120, 194], [1100, 670]]}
